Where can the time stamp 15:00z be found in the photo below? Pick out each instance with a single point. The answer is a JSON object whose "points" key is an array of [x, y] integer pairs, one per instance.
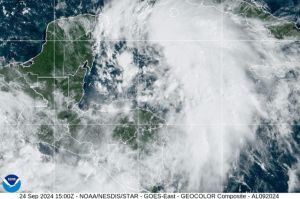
{"points": [[150, 196]]}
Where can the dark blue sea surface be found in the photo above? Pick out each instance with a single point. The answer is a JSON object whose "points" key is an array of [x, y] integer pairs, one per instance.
{"points": [[27, 20], [264, 166], [23, 23], [289, 9]]}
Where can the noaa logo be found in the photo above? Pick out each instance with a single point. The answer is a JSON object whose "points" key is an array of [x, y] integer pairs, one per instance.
{"points": [[11, 183]]}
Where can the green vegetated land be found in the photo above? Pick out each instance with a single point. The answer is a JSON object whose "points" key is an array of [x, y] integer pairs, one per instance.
{"points": [[280, 29], [60, 66], [67, 49], [140, 131]]}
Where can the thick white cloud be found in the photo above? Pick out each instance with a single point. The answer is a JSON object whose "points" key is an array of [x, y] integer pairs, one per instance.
{"points": [[218, 74], [221, 70]]}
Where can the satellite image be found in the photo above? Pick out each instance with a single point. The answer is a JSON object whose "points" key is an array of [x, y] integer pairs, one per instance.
{"points": [[157, 96]]}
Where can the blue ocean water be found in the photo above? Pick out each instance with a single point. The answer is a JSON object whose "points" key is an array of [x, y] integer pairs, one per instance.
{"points": [[18, 28], [23, 23], [275, 5], [264, 167], [289, 9]]}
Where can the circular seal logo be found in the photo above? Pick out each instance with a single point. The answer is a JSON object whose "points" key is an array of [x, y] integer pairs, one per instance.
{"points": [[11, 183]]}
